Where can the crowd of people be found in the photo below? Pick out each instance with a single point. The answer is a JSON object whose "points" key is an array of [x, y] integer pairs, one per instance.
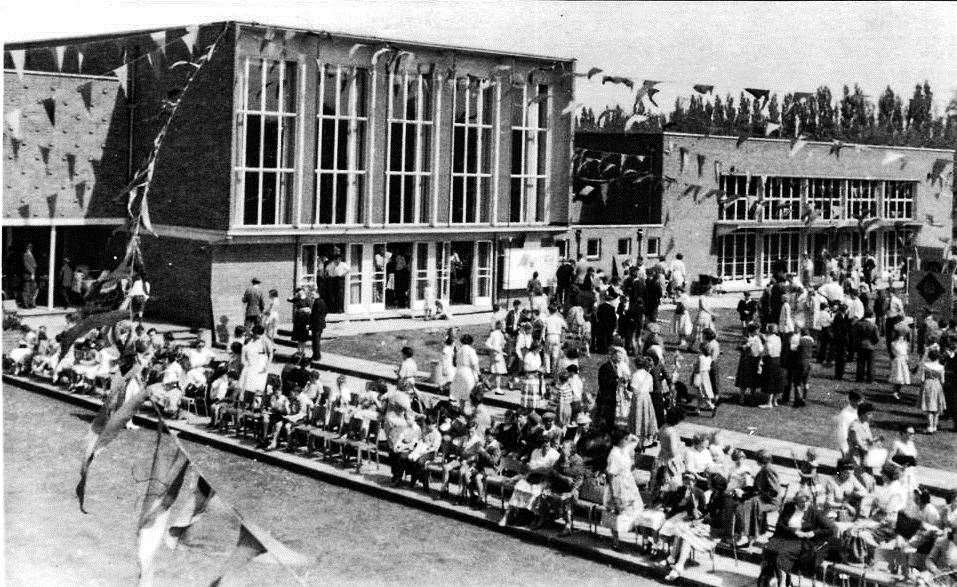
{"points": [[570, 441]]}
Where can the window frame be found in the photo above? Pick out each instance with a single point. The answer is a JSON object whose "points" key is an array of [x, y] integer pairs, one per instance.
{"points": [[743, 252], [788, 250], [653, 251], [357, 137], [539, 181], [483, 208], [899, 195], [628, 247], [589, 256], [739, 195], [420, 174], [284, 207]]}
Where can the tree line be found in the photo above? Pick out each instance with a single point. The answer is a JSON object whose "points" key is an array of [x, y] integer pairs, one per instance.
{"points": [[853, 118]]}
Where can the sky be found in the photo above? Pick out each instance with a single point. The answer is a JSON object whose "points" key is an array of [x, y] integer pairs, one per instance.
{"points": [[780, 46]]}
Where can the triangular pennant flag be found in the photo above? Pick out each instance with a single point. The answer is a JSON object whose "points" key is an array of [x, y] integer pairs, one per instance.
{"points": [[937, 170], [121, 76], [145, 215], [891, 157], [86, 92], [79, 61], [58, 52], [159, 39], [71, 165], [835, 149], [796, 145], [19, 58], [742, 138], [51, 204], [770, 127], [759, 95], [572, 106], [615, 79], [247, 548], [49, 104], [253, 542], [12, 118], [191, 509], [164, 486], [592, 72], [651, 96], [44, 154], [703, 88], [126, 396], [190, 38], [634, 120]]}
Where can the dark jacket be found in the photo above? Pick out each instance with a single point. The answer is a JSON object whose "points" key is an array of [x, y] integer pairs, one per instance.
{"points": [[813, 520], [318, 315], [607, 394], [866, 335]]}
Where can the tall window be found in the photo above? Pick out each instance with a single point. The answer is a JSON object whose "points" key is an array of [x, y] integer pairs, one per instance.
{"points": [[472, 150], [408, 185], [783, 195], [861, 198], [781, 246], [738, 193], [340, 144], [893, 254], [824, 195], [736, 256], [899, 200], [859, 245], [267, 165], [530, 104]]}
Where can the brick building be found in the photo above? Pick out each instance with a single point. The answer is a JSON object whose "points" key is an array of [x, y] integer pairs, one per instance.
{"points": [[423, 166], [731, 208]]}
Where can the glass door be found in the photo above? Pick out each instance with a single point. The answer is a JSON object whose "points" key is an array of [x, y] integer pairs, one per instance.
{"points": [[483, 273], [379, 261], [443, 251], [353, 293], [421, 252]]}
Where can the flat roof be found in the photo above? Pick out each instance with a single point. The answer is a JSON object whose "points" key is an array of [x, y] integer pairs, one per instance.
{"points": [[39, 43], [669, 133]]}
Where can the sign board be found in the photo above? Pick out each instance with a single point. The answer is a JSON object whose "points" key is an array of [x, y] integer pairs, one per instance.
{"points": [[930, 288], [521, 263]]}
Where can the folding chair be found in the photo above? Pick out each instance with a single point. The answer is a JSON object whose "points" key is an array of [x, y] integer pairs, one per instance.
{"points": [[369, 444], [354, 431], [325, 431]]}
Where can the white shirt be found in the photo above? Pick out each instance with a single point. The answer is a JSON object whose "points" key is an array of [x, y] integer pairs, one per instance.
{"points": [[199, 358], [678, 271], [408, 369], [895, 308], [832, 291], [532, 362], [554, 325], [844, 419], [543, 458], [855, 307]]}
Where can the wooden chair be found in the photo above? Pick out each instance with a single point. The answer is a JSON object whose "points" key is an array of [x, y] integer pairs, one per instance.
{"points": [[326, 431], [369, 444], [355, 430], [504, 479]]}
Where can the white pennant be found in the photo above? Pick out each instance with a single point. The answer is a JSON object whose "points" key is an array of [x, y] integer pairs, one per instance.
{"points": [[12, 119], [79, 61], [572, 106], [59, 52], [19, 57], [159, 38], [770, 128], [121, 76], [192, 34]]}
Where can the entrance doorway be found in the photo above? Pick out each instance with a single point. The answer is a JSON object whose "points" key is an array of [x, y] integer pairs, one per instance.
{"points": [[460, 272], [819, 244], [398, 275]]}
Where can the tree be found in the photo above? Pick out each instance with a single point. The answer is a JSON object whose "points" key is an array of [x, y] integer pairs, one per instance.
{"points": [[742, 122], [717, 119], [826, 123]]}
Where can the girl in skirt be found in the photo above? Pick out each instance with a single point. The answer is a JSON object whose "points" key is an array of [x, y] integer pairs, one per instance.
{"points": [[900, 371], [681, 324], [932, 400], [748, 378]]}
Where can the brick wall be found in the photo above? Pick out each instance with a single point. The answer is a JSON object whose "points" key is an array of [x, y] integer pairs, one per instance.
{"points": [[179, 274], [233, 266], [72, 167]]}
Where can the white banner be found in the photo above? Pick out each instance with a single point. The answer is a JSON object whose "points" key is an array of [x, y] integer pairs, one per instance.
{"points": [[520, 264]]}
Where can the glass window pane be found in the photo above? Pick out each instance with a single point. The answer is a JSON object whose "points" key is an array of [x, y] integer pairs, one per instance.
{"points": [[471, 196], [542, 106], [515, 201], [355, 277], [458, 199], [426, 97], [329, 91], [488, 105], [542, 152], [286, 199], [269, 198], [290, 90], [408, 199], [361, 84], [328, 143], [308, 260], [252, 140], [342, 156], [270, 141], [458, 149], [359, 145], [251, 198], [325, 198], [342, 196], [357, 197], [395, 198], [272, 86], [254, 84], [288, 142], [426, 162]]}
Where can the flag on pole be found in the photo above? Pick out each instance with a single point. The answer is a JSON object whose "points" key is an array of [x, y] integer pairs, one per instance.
{"points": [[12, 118], [571, 107], [703, 88], [190, 38], [59, 51], [121, 76], [165, 482], [49, 104], [759, 95], [651, 96], [742, 138], [19, 58]]}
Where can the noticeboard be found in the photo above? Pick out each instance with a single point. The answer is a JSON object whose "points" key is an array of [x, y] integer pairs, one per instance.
{"points": [[520, 264], [930, 288]]}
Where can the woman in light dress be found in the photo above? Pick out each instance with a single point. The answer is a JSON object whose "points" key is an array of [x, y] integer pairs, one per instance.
{"points": [[447, 371], [900, 370], [622, 499], [682, 325], [495, 343], [624, 392], [256, 356], [702, 376], [932, 400], [466, 371], [643, 423], [705, 317]]}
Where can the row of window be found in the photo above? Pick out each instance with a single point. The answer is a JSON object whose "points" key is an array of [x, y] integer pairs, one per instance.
{"points": [[270, 116], [738, 256], [833, 199], [593, 247]]}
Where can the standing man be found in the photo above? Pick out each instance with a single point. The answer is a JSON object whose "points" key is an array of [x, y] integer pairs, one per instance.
{"points": [[65, 281], [555, 328], [534, 290], [29, 291], [255, 304], [867, 339], [336, 272], [563, 280], [317, 324]]}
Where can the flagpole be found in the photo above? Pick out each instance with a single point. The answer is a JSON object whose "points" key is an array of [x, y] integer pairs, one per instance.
{"points": [[161, 425]]}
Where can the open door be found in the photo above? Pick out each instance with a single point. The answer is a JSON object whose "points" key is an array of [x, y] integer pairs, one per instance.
{"points": [[422, 259], [483, 273]]}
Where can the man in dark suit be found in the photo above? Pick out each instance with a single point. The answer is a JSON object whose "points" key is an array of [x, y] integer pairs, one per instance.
{"points": [[607, 396], [866, 338], [606, 321], [317, 325], [563, 280], [255, 303]]}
